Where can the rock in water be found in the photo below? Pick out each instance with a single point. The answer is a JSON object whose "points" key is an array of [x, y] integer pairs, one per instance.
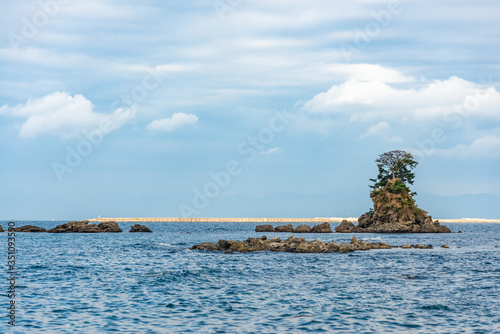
{"points": [[322, 228], [264, 228], [394, 211], [140, 229], [284, 228], [406, 246], [109, 227], [84, 227], [345, 227], [302, 229], [291, 245], [1, 229], [30, 229]]}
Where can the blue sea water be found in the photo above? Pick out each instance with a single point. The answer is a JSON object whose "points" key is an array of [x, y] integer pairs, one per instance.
{"points": [[152, 283]]}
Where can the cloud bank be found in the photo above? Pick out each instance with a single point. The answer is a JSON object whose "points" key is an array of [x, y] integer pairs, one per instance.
{"points": [[368, 98]]}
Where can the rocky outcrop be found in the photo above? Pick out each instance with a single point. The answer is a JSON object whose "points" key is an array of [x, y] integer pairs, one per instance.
{"points": [[394, 211], [1, 229], [321, 228], [138, 228], [29, 229], [292, 245], [264, 228], [84, 227]]}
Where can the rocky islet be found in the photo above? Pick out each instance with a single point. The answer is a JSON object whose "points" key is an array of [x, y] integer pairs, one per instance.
{"points": [[84, 227], [295, 245], [394, 211]]}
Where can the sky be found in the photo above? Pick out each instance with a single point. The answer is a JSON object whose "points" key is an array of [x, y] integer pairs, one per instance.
{"points": [[245, 108]]}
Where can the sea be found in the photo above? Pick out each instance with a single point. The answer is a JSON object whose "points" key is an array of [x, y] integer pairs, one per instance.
{"points": [[153, 283]]}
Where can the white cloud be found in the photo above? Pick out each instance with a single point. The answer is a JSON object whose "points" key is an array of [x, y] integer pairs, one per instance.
{"points": [[379, 129], [367, 72], [384, 130], [170, 124], [61, 114], [487, 146], [274, 150], [367, 98]]}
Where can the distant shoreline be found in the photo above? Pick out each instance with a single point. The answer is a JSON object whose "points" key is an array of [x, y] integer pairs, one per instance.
{"points": [[266, 220]]}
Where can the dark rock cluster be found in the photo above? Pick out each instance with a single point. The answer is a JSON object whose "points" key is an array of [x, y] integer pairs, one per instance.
{"points": [[85, 227], [321, 228], [393, 227], [29, 229], [292, 245], [137, 228]]}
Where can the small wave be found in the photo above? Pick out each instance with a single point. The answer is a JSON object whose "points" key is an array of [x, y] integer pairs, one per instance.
{"points": [[164, 244], [372, 239], [435, 307]]}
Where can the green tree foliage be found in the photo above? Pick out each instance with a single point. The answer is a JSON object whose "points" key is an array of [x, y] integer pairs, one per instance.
{"points": [[392, 165]]}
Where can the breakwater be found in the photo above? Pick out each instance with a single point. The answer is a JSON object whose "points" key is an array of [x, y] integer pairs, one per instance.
{"points": [[224, 220], [264, 220]]}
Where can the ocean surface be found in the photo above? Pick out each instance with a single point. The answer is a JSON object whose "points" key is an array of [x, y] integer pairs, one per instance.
{"points": [[152, 283]]}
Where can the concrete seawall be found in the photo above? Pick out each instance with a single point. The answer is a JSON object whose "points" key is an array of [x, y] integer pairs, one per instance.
{"points": [[265, 220], [224, 220]]}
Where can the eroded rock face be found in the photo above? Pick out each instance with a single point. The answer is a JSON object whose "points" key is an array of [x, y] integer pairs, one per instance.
{"points": [[138, 228], [321, 228], [29, 229], [292, 244], [85, 227], [394, 211]]}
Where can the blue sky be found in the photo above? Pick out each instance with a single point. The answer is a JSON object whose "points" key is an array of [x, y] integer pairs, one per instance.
{"points": [[245, 108]]}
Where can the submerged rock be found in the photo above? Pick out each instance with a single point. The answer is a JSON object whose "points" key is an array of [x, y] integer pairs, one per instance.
{"points": [[84, 227], [138, 228], [29, 229], [420, 246], [292, 245], [394, 212]]}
